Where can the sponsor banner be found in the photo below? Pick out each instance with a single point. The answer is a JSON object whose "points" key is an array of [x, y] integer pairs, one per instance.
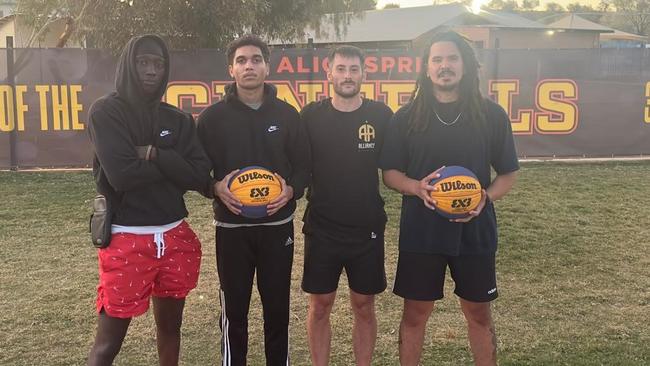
{"points": [[591, 102]]}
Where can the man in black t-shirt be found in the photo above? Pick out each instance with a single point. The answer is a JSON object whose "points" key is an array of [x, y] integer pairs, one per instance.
{"points": [[345, 218], [446, 123]]}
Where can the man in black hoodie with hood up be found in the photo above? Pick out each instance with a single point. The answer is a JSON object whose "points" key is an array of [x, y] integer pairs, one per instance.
{"points": [[147, 156], [251, 126]]}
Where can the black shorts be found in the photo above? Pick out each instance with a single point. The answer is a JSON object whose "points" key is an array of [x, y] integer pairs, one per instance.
{"points": [[325, 259], [422, 276]]}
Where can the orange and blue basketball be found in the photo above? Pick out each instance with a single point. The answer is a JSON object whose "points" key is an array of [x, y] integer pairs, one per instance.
{"points": [[458, 193], [255, 187]]}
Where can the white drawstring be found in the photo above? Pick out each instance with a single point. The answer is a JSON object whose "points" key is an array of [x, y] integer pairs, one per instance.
{"points": [[158, 233], [159, 239]]}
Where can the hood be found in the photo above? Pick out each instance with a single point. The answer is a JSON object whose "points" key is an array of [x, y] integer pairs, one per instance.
{"points": [[126, 77]]}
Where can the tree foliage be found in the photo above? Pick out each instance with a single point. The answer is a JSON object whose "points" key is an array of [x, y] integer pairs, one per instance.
{"points": [[529, 5], [506, 5], [576, 7], [636, 14], [188, 24], [554, 7]]}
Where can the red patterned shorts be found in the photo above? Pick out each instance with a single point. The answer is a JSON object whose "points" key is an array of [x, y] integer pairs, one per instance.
{"points": [[130, 273]]}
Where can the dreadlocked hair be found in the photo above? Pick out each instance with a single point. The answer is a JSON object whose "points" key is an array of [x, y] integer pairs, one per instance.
{"points": [[471, 101]]}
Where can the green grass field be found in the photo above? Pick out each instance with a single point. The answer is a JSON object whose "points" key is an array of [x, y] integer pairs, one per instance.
{"points": [[573, 271]]}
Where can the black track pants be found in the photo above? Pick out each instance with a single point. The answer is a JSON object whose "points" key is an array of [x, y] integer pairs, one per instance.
{"points": [[240, 252]]}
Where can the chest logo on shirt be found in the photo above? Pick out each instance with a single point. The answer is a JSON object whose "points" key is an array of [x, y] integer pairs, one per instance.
{"points": [[367, 136], [164, 133], [273, 128]]}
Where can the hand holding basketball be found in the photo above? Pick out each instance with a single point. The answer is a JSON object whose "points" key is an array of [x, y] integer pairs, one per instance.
{"points": [[425, 188], [475, 212], [282, 199], [222, 191]]}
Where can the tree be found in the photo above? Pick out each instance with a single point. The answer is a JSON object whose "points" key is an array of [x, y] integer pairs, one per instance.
{"points": [[554, 7], [507, 5], [187, 24], [636, 14], [579, 8], [529, 5], [391, 6], [604, 6]]}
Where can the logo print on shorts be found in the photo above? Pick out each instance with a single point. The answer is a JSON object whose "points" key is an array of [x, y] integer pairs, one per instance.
{"points": [[492, 291], [164, 133], [273, 128], [288, 242], [373, 235]]}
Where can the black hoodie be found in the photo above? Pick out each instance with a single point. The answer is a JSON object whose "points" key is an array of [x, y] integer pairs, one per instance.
{"points": [[144, 193], [236, 136]]}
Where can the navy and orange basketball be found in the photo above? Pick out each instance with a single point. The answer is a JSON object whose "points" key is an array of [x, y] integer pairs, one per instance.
{"points": [[459, 192], [255, 187]]}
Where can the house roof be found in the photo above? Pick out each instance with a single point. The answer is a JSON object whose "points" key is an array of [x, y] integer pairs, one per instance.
{"points": [[576, 22], [401, 24], [504, 19], [7, 18], [622, 36]]}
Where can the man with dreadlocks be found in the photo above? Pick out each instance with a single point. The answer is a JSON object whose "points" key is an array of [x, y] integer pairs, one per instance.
{"points": [[448, 122]]}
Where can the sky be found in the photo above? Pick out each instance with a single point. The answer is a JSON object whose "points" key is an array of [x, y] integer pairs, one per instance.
{"points": [[409, 3]]}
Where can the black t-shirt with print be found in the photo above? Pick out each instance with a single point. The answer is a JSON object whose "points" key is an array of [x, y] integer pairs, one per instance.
{"points": [[343, 197], [444, 143]]}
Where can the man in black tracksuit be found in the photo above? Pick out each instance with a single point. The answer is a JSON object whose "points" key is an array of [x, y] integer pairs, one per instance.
{"points": [[251, 126], [147, 156]]}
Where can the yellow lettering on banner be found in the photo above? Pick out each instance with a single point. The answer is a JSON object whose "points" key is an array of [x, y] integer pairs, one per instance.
{"points": [[199, 93], [504, 90], [60, 108], [311, 91], [368, 90], [218, 90], [76, 108], [286, 93], [42, 91], [556, 98], [395, 92], [647, 103], [7, 115], [21, 107]]}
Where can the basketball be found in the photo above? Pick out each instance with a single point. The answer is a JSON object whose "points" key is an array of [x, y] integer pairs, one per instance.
{"points": [[255, 187], [459, 192]]}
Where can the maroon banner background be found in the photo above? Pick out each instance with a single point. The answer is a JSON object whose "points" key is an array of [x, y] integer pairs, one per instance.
{"points": [[563, 103]]}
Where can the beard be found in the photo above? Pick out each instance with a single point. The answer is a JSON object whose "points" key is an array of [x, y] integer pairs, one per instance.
{"points": [[349, 93]]}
